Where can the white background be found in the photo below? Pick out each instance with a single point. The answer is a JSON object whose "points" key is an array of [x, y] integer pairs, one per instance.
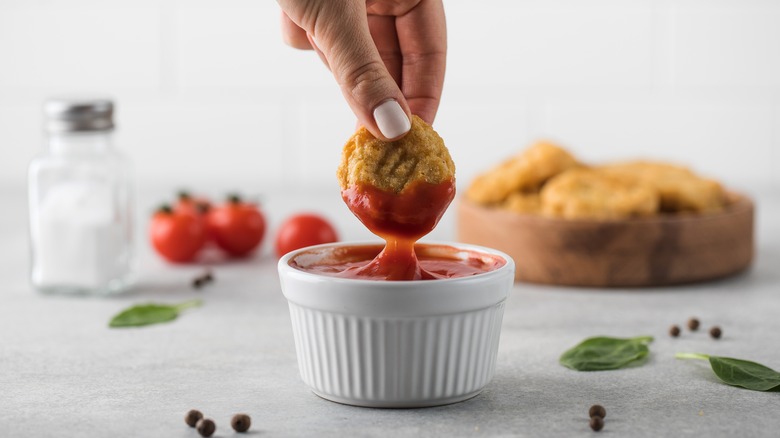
{"points": [[209, 95]]}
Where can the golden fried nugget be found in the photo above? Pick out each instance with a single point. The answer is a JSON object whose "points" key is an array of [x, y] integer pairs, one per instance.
{"points": [[524, 172], [590, 194], [522, 202], [679, 188], [391, 166]]}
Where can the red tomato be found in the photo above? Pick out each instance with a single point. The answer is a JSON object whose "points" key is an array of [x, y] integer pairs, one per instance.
{"points": [[177, 237], [236, 227], [196, 205], [303, 230]]}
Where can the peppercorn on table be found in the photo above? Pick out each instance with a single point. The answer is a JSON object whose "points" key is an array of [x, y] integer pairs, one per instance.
{"points": [[64, 372]]}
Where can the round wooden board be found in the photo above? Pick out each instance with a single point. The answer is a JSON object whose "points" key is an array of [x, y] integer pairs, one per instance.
{"points": [[663, 250]]}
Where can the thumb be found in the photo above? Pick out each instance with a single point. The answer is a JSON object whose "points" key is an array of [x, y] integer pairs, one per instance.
{"points": [[340, 31]]}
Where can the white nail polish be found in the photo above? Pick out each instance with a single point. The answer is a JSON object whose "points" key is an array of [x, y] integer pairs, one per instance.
{"points": [[391, 119]]}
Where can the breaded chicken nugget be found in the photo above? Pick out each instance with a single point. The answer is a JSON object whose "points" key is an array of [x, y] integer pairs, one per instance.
{"points": [[522, 202], [679, 188], [589, 194], [524, 172], [392, 166]]}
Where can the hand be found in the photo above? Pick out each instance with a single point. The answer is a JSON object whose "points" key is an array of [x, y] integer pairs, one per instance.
{"points": [[388, 56]]}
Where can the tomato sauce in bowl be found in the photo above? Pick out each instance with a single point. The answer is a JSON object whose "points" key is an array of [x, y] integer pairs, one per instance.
{"points": [[433, 261]]}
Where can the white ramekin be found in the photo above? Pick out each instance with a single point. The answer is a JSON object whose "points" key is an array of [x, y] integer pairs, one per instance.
{"points": [[396, 343]]}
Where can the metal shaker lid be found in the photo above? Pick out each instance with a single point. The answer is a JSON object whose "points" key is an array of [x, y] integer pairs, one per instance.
{"points": [[78, 115]]}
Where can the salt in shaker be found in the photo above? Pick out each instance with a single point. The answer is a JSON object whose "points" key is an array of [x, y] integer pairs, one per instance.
{"points": [[80, 202]]}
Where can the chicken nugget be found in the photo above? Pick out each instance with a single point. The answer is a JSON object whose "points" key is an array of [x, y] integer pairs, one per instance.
{"points": [[589, 194], [522, 202], [393, 166], [524, 172], [680, 189]]}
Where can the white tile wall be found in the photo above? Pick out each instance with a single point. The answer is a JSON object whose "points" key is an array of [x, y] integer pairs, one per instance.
{"points": [[209, 94], [551, 43], [236, 44], [727, 44], [197, 143], [79, 44], [321, 129]]}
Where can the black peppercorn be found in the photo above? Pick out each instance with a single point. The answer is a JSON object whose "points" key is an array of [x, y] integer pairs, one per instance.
{"points": [[241, 422], [201, 280], [597, 411], [206, 427], [693, 324], [674, 331], [716, 332], [192, 417], [596, 423]]}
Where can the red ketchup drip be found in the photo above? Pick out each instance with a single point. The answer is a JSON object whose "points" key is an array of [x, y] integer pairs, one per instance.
{"points": [[400, 219]]}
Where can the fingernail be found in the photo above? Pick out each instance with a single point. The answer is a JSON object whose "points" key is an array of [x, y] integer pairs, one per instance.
{"points": [[391, 119]]}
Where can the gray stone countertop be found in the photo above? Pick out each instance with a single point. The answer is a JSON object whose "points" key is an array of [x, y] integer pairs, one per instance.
{"points": [[64, 373]]}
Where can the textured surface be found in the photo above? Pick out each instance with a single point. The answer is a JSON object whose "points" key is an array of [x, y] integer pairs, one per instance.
{"points": [[63, 373], [419, 156]]}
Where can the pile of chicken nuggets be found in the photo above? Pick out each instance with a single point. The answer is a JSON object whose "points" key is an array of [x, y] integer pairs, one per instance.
{"points": [[547, 180]]}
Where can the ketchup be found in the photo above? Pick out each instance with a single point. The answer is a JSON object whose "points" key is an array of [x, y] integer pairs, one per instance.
{"points": [[435, 262], [400, 219]]}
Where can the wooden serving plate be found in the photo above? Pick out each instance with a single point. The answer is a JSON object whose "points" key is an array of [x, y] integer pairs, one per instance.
{"points": [[663, 250]]}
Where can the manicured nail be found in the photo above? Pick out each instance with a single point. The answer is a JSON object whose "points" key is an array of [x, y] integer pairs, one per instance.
{"points": [[391, 119]]}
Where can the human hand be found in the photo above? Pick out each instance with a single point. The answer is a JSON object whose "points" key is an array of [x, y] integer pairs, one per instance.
{"points": [[388, 56]]}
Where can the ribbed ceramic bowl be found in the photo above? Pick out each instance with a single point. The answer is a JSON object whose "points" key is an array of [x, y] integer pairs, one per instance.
{"points": [[395, 344]]}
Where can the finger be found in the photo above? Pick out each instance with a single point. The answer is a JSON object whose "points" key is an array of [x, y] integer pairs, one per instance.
{"points": [[386, 40], [396, 8], [342, 33], [293, 35], [317, 50], [422, 37]]}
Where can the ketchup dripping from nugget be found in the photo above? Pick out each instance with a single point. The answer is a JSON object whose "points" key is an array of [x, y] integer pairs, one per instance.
{"points": [[400, 219]]}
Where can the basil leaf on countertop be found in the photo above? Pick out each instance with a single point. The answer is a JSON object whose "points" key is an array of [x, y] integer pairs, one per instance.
{"points": [[604, 353], [739, 372], [147, 314]]}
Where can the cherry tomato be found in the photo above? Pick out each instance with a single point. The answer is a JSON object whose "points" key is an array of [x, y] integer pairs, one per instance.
{"points": [[303, 230], [177, 237], [237, 227], [196, 205]]}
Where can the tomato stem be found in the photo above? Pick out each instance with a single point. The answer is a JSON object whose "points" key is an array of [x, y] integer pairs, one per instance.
{"points": [[202, 207]]}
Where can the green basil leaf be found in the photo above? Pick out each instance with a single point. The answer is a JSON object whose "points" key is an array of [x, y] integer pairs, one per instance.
{"points": [[744, 373], [604, 353], [147, 314], [739, 372]]}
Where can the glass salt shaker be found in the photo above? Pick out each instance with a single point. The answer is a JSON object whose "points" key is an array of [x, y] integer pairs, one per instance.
{"points": [[80, 202]]}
